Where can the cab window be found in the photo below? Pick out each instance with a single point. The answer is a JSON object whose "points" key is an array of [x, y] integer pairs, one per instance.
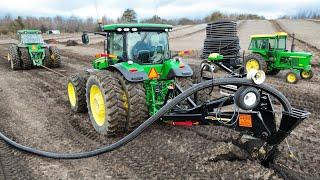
{"points": [[116, 44]]}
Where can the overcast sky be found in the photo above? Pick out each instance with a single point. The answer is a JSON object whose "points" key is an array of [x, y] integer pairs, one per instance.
{"points": [[147, 8]]}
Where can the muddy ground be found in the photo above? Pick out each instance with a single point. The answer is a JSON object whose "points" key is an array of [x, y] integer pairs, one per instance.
{"points": [[34, 111]]}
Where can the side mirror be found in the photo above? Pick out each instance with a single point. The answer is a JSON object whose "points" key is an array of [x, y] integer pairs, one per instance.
{"points": [[85, 38]]}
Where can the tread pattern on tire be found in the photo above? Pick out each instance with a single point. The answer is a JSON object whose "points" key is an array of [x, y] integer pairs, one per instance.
{"points": [[79, 82], [56, 62], [262, 63], [137, 111], [111, 89], [26, 62], [14, 57], [47, 60]]}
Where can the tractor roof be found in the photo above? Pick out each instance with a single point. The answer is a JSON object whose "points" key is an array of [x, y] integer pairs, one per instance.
{"points": [[278, 34], [29, 31], [137, 27]]}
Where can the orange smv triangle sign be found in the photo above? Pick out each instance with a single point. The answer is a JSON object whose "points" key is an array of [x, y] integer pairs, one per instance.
{"points": [[153, 73]]}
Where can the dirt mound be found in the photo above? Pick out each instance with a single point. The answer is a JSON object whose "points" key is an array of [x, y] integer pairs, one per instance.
{"points": [[72, 43]]}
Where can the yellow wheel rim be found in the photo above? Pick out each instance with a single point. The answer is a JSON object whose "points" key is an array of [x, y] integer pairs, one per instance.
{"points": [[252, 64], [305, 74], [97, 105], [125, 101], [72, 94], [291, 78]]}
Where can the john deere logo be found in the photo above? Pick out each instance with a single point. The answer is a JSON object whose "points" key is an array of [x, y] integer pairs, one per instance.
{"points": [[153, 73], [34, 47]]}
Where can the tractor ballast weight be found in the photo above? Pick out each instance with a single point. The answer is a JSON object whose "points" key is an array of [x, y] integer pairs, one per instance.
{"points": [[269, 53], [136, 78], [32, 51]]}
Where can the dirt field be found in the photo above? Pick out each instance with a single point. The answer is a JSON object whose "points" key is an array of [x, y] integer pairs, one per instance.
{"points": [[35, 111]]}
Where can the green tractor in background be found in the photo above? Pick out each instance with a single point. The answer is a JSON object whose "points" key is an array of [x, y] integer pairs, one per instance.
{"points": [[129, 81], [269, 53], [32, 51]]}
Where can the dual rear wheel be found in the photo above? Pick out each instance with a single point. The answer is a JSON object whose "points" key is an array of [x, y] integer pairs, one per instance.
{"points": [[114, 105]]}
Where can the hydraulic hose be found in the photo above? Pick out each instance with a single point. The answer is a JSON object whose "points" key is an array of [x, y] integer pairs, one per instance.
{"points": [[197, 87]]}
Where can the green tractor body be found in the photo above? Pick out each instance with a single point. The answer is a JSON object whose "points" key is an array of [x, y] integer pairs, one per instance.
{"points": [[33, 41], [270, 54], [140, 52], [32, 51]]}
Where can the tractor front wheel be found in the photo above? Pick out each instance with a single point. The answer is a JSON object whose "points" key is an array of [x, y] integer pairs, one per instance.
{"points": [[77, 92], [306, 74], [103, 96], [13, 58], [133, 97], [255, 62], [26, 61], [291, 77], [55, 56]]}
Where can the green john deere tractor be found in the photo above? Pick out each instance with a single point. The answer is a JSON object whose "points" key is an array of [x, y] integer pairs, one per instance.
{"points": [[32, 51], [130, 80], [269, 53]]}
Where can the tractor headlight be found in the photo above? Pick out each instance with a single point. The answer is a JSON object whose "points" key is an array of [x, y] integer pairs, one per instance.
{"points": [[247, 98], [126, 29], [134, 29], [119, 29]]}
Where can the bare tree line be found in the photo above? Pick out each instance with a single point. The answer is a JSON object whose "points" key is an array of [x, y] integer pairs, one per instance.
{"points": [[9, 24], [304, 14]]}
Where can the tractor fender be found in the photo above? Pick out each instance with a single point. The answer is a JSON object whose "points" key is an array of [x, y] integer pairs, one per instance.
{"points": [[185, 71], [130, 76]]}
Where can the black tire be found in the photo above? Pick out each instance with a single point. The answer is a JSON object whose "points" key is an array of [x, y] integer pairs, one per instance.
{"points": [[78, 82], [291, 77], [257, 57], [55, 56], [47, 60], [240, 96], [26, 62], [13, 58], [306, 74], [273, 72], [110, 89], [134, 102]]}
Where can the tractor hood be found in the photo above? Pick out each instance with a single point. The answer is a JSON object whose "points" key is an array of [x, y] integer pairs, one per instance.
{"points": [[295, 54]]}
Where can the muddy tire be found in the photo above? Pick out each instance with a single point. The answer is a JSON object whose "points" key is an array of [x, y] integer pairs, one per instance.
{"points": [[47, 60], [77, 92], [255, 61], [13, 58], [26, 62], [291, 77], [133, 98], [105, 108], [306, 74], [55, 57]]}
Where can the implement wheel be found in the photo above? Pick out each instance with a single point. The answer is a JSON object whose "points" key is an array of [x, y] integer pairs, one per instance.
{"points": [[133, 97], [13, 58], [55, 56], [255, 62], [26, 62], [103, 96], [77, 92], [306, 74], [291, 77]]}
